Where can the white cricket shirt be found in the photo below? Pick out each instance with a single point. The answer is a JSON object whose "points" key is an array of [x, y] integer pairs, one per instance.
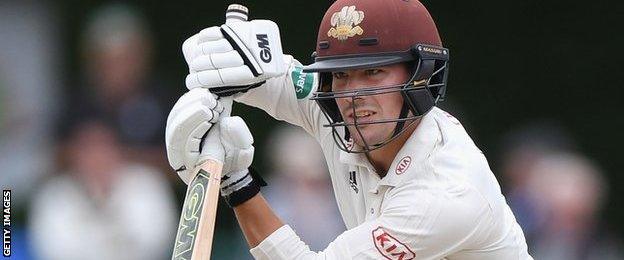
{"points": [[439, 200]]}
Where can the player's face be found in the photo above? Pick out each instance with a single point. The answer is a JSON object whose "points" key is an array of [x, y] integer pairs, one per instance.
{"points": [[373, 107]]}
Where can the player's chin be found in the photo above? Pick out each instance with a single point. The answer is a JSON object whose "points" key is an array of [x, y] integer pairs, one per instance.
{"points": [[367, 135]]}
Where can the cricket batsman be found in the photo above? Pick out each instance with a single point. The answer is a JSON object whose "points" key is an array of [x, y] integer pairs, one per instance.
{"points": [[409, 181]]}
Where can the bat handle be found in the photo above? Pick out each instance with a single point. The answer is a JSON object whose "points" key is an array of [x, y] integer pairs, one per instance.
{"points": [[236, 13], [226, 102]]}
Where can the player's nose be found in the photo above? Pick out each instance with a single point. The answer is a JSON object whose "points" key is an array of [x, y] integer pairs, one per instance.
{"points": [[353, 102]]}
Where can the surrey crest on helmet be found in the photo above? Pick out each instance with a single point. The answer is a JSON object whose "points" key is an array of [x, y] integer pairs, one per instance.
{"points": [[345, 23]]}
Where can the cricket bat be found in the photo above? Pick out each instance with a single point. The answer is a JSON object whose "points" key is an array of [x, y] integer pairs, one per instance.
{"points": [[197, 221]]}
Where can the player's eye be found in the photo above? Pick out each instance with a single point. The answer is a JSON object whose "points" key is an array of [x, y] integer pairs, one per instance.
{"points": [[372, 72], [339, 75]]}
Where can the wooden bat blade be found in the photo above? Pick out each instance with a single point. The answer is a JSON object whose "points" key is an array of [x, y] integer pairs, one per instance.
{"points": [[197, 221]]}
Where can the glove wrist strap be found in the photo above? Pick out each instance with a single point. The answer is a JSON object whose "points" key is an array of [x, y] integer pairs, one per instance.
{"points": [[247, 192]]}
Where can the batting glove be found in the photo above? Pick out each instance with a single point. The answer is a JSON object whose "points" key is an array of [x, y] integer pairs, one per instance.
{"points": [[190, 119], [234, 57], [238, 184]]}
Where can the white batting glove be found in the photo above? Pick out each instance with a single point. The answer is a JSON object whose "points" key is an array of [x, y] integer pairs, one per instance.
{"points": [[188, 122], [238, 144], [234, 57], [238, 184]]}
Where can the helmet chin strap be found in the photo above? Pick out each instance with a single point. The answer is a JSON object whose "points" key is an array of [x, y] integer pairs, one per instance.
{"points": [[401, 124]]}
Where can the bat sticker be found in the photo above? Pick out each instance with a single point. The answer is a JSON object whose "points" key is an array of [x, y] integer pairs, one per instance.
{"points": [[191, 214]]}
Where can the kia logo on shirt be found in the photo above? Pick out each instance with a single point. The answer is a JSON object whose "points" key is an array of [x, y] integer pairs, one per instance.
{"points": [[390, 247], [403, 164]]}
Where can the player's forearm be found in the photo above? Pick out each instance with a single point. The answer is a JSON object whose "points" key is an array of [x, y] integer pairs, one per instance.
{"points": [[256, 219], [285, 99]]}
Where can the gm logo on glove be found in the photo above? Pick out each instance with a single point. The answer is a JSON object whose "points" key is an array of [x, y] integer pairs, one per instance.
{"points": [[263, 43]]}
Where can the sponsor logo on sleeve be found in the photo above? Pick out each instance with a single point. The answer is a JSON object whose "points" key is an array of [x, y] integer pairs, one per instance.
{"points": [[302, 82], [403, 164], [390, 247]]}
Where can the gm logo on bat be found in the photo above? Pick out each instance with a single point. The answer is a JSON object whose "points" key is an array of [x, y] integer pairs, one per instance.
{"points": [[263, 43], [191, 214]]}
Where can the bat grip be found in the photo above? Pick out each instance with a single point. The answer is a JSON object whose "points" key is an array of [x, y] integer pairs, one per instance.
{"points": [[226, 102], [236, 13]]}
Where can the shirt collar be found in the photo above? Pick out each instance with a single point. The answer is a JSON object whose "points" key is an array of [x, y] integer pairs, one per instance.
{"points": [[412, 157], [358, 159]]}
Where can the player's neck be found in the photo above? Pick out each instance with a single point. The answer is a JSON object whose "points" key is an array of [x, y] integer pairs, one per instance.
{"points": [[382, 158]]}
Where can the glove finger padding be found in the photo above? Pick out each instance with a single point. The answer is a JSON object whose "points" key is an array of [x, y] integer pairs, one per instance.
{"points": [[214, 47], [217, 61], [189, 120], [210, 34], [192, 98], [240, 55], [238, 143], [190, 50], [235, 76], [235, 133]]}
